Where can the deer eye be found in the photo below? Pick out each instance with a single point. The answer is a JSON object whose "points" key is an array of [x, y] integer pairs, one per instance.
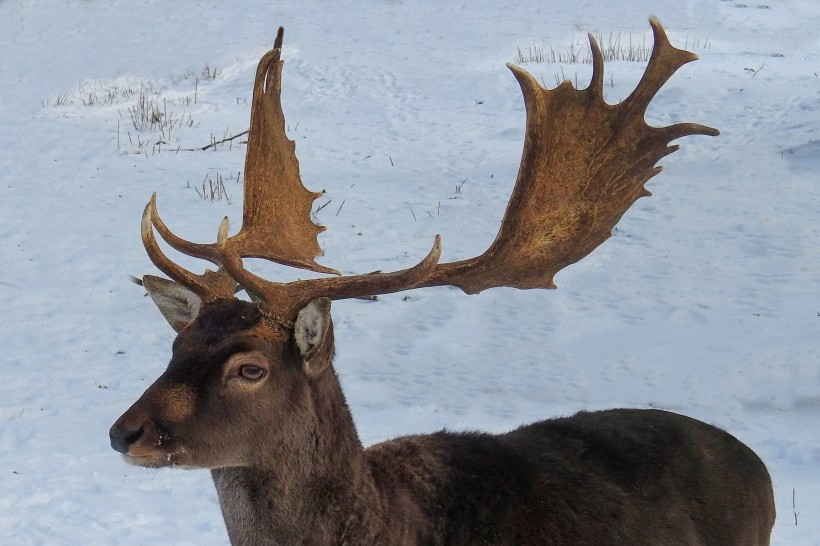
{"points": [[249, 371]]}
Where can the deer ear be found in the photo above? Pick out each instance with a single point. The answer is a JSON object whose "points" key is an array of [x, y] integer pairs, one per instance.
{"points": [[312, 325], [177, 304]]}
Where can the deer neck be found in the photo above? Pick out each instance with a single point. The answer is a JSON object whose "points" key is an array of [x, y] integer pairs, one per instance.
{"points": [[318, 493]]}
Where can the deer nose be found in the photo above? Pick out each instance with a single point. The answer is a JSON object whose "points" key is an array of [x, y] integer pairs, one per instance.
{"points": [[124, 435]]}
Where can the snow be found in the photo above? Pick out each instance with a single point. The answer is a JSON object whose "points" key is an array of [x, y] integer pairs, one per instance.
{"points": [[705, 301]]}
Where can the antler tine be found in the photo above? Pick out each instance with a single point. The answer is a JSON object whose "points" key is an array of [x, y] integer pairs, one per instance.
{"points": [[208, 286], [585, 162], [197, 250], [596, 85], [664, 61], [280, 37]]}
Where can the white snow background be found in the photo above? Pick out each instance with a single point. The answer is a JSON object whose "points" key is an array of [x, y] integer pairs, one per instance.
{"points": [[704, 302]]}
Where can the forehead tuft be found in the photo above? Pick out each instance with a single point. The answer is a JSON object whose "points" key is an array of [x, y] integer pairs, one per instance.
{"points": [[221, 319], [222, 328]]}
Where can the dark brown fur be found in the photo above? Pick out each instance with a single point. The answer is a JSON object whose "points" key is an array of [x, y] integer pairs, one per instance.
{"points": [[290, 469]]}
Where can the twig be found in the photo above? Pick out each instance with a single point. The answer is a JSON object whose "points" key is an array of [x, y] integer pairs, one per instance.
{"points": [[226, 139], [212, 143]]}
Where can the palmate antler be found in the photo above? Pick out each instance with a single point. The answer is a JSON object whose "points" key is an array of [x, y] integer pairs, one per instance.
{"points": [[275, 200], [585, 162]]}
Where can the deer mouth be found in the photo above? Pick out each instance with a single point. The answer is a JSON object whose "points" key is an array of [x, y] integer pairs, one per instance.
{"points": [[152, 457]]}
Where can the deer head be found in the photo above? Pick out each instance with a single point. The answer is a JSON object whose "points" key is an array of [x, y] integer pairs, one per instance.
{"points": [[233, 373], [241, 369]]}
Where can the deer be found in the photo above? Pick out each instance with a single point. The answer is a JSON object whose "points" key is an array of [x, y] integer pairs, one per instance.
{"points": [[251, 393]]}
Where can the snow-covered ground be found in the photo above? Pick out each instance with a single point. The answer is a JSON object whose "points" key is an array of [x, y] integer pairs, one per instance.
{"points": [[706, 301]]}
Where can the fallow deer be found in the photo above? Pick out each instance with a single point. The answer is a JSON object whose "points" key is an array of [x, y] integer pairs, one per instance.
{"points": [[251, 393]]}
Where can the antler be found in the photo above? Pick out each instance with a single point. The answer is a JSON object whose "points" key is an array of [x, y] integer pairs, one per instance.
{"points": [[585, 162], [276, 222]]}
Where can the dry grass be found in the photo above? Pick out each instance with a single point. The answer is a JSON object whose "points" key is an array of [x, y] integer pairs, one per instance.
{"points": [[213, 188], [614, 47]]}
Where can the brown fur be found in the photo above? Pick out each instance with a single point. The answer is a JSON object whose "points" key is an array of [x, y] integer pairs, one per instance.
{"points": [[290, 470]]}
